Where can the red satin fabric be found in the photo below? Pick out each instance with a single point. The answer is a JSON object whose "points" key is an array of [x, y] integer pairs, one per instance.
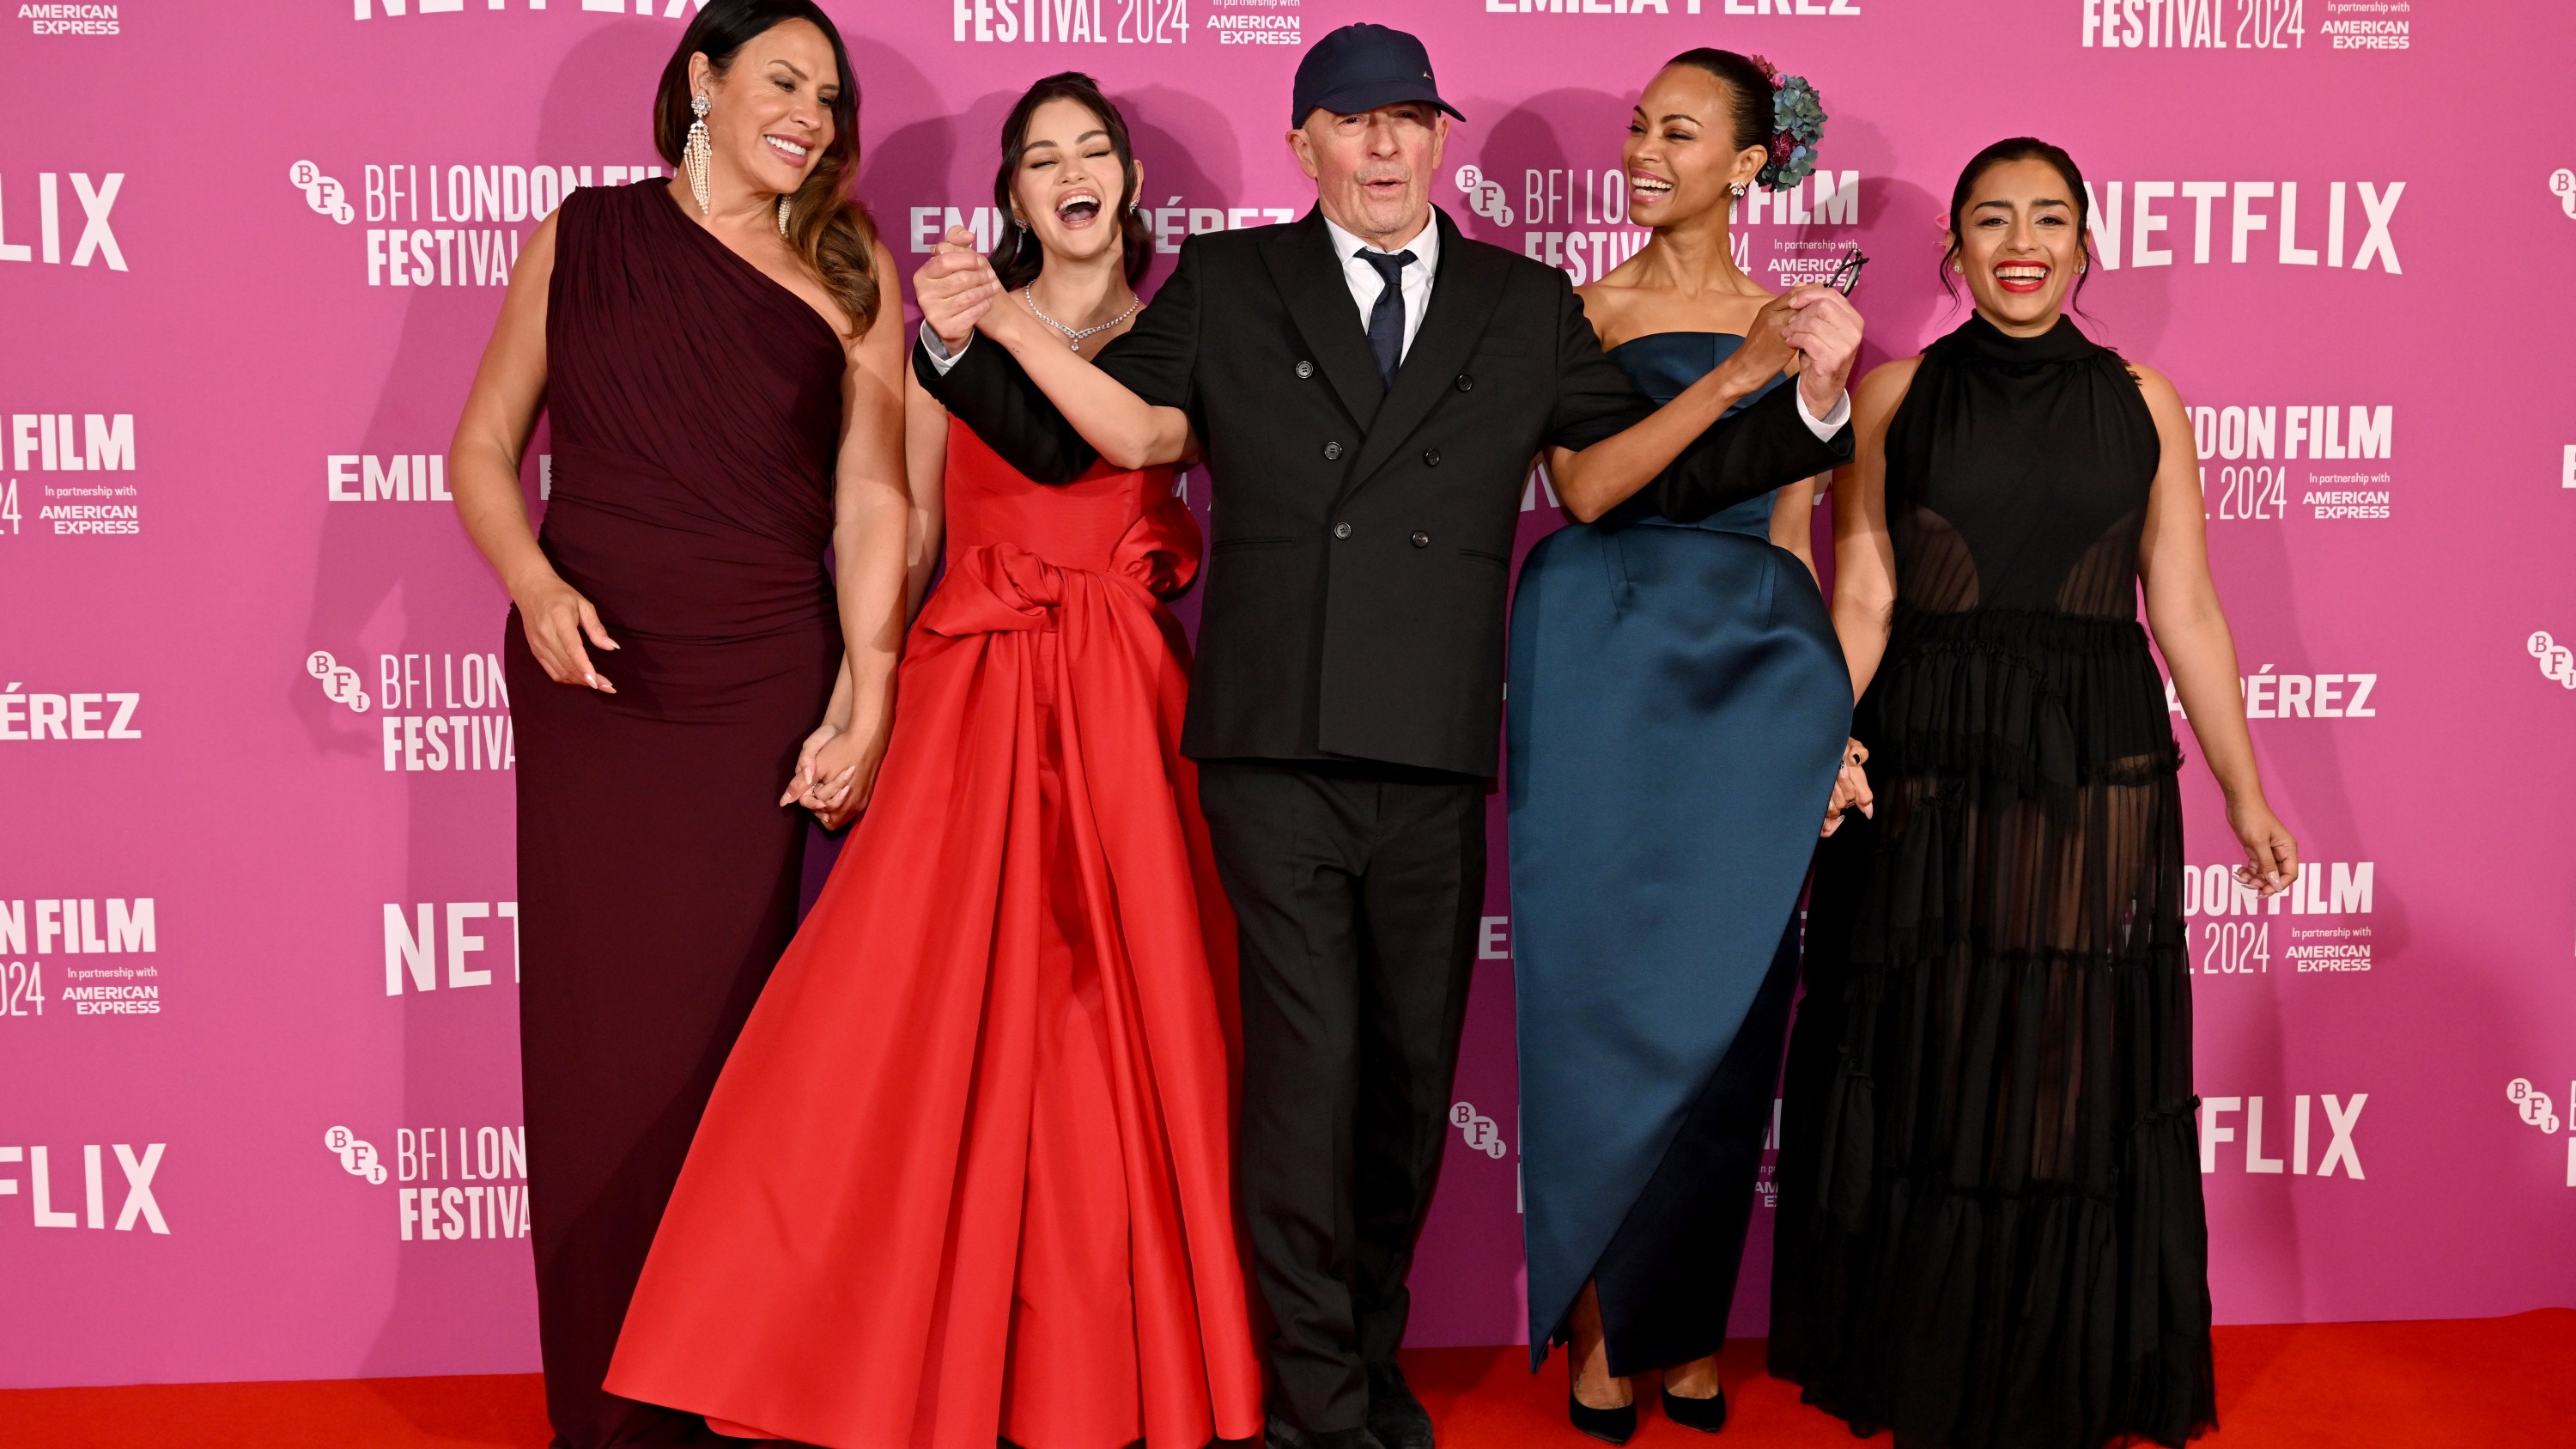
{"points": [[968, 1170]]}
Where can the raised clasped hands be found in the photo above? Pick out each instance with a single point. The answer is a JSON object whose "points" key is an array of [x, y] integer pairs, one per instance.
{"points": [[1766, 350], [1825, 330], [955, 288], [1811, 325], [1851, 788]]}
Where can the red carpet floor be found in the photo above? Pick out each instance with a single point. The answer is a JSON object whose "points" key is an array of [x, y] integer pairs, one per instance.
{"points": [[2496, 1383]]}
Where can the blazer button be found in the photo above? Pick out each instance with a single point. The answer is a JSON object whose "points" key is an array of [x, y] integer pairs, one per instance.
{"points": [[1431, 457], [1341, 530], [1465, 382], [1332, 452], [1421, 539], [1305, 369]]}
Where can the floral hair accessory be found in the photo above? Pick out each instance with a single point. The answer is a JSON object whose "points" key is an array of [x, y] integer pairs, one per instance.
{"points": [[1798, 114]]}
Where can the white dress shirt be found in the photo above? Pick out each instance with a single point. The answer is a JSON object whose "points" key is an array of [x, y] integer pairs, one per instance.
{"points": [[1367, 285]]}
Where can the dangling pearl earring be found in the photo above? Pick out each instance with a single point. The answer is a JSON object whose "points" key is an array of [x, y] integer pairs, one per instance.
{"points": [[695, 156]]}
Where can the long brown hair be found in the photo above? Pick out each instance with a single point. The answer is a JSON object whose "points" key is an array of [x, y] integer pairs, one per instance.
{"points": [[1015, 260], [825, 224]]}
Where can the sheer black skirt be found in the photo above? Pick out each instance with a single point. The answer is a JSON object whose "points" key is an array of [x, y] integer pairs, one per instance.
{"points": [[1990, 1228]]}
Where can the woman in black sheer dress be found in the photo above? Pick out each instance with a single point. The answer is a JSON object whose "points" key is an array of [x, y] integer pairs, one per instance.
{"points": [[1990, 1228]]}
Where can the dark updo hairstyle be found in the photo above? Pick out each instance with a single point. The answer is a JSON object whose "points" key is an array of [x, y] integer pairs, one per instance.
{"points": [[1016, 257], [1754, 121], [2020, 148], [825, 224]]}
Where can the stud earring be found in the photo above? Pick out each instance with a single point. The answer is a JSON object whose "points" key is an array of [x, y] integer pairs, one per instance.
{"points": [[697, 153], [1736, 190], [1962, 271]]}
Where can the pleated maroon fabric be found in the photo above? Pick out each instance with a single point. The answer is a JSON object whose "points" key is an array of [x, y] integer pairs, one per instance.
{"points": [[696, 411], [967, 1173]]}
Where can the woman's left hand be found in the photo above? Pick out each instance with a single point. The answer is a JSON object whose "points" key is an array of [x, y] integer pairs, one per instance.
{"points": [[845, 776], [1851, 788], [802, 782], [2271, 856], [828, 774]]}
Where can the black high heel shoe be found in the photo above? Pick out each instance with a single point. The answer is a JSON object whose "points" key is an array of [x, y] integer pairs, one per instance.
{"points": [[1706, 1415], [1610, 1426]]}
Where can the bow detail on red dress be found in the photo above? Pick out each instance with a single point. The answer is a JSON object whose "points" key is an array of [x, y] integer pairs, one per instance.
{"points": [[1001, 587]]}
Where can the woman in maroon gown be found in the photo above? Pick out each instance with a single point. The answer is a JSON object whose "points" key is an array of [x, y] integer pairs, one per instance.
{"points": [[725, 409], [968, 1173]]}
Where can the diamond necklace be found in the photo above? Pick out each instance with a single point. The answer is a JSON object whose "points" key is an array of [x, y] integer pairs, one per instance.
{"points": [[1073, 337]]}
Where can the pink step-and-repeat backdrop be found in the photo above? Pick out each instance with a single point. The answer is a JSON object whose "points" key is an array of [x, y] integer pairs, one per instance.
{"points": [[258, 1098]]}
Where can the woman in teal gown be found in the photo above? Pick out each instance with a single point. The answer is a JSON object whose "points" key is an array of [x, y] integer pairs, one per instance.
{"points": [[1677, 711]]}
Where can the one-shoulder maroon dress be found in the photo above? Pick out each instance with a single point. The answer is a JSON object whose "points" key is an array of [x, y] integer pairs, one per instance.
{"points": [[696, 409]]}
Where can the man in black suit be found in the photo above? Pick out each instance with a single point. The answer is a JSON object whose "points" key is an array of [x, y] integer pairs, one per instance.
{"points": [[1368, 388]]}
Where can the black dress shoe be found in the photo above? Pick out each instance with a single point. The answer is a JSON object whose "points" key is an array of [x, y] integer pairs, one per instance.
{"points": [[1610, 1426], [1280, 1434], [1395, 1415], [1706, 1415]]}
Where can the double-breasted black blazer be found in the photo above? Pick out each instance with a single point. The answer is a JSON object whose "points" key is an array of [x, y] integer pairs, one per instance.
{"points": [[1363, 534]]}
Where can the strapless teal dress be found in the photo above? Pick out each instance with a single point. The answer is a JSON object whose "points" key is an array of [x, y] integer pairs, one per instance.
{"points": [[1676, 710]]}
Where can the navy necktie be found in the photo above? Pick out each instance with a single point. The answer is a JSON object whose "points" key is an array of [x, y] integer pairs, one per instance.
{"points": [[1386, 319]]}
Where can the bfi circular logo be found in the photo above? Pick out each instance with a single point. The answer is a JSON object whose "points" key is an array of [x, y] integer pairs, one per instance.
{"points": [[340, 683], [326, 196], [357, 1158], [2556, 660], [1484, 197], [1482, 1133]]}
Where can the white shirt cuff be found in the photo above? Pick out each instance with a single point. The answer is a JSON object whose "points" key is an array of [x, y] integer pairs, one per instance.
{"points": [[1824, 428], [941, 359]]}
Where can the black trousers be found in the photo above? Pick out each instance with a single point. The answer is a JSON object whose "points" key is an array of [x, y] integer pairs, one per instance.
{"points": [[1356, 889]]}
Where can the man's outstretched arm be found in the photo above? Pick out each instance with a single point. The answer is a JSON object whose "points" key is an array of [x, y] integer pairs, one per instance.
{"points": [[1765, 445], [985, 388], [1051, 412], [1691, 457]]}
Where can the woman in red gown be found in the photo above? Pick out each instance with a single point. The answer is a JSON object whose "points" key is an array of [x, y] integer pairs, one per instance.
{"points": [[968, 1170]]}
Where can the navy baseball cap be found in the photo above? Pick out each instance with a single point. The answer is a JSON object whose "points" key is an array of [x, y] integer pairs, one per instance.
{"points": [[1360, 68]]}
